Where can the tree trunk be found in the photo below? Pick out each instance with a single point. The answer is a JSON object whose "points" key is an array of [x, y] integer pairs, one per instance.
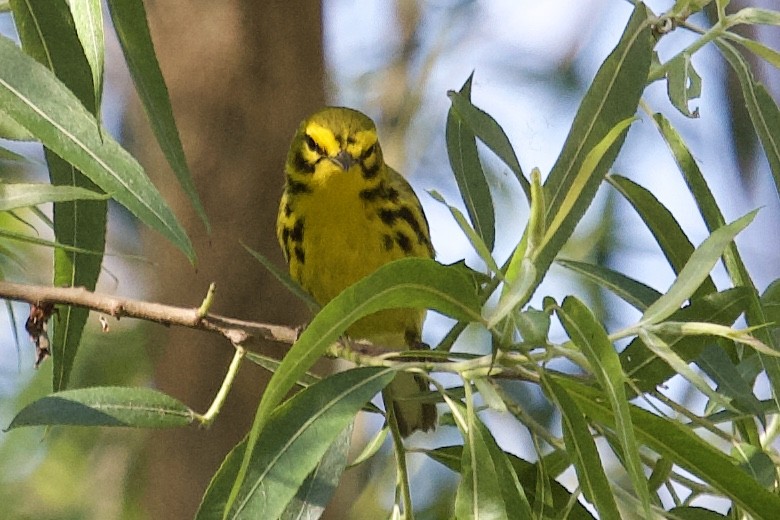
{"points": [[241, 75]]}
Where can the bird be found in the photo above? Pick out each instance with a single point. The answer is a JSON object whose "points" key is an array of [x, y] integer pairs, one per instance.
{"points": [[343, 214]]}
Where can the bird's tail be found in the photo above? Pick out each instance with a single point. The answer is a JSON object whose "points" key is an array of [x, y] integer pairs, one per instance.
{"points": [[411, 415]]}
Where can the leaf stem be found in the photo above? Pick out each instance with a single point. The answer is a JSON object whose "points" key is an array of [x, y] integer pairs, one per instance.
{"points": [[207, 418]]}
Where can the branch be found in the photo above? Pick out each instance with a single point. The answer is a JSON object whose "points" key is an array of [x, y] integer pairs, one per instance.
{"points": [[245, 334], [240, 333]]}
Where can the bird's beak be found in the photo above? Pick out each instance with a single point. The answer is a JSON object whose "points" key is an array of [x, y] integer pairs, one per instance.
{"points": [[343, 160]]}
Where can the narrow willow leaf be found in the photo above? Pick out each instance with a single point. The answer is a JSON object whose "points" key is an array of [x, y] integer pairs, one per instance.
{"points": [[371, 448], [46, 243], [299, 434], [22, 195], [320, 485], [659, 220], [717, 365], [767, 53], [590, 472], [105, 406], [464, 160], [13, 131], [647, 371], [684, 448], [409, 282], [696, 270], [533, 325], [37, 100], [661, 349], [764, 113], [683, 84], [129, 19], [286, 280], [713, 217], [521, 275], [527, 473], [591, 339], [487, 130], [633, 292], [476, 241], [88, 18], [48, 34], [612, 97], [755, 16], [488, 487], [581, 180]]}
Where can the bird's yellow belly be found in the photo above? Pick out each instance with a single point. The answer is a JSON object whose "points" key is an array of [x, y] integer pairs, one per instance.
{"points": [[344, 242]]}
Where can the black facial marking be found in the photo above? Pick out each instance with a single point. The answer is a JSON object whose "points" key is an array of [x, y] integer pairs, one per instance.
{"points": [[387, 242], [287, 210], [369, 172], [301, 164]]}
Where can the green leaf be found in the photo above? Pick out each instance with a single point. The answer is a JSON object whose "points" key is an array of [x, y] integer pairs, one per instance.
{"points": [[285, 279], [685, 449], [37, 100], [476, 241], [755, 16], [591, 339], [409, 282], [105, 406], [713, 217], [612, 98], [320, 485], [13, 131], [88, 19], [464, 160], [297, 437], [533, 325], [487, 130], [22, 195], [763, 110], [694, 513], [488, 487], [696, 270], [647, 371], [46, 243], [757, 48], [716, 364], [663, 351], [129, 18], [590, 473], [637, 294], [683, 84], [662, 224], [48, 34], [528, 474]]}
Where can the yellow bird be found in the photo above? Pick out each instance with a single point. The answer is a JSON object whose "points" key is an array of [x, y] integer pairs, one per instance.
{"points": [[344, 213]]}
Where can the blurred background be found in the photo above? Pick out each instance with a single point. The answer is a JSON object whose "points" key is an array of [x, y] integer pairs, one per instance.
{"points": [[241, 75]]}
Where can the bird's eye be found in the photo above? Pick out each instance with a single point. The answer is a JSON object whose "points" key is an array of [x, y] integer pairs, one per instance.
{"points": [[371, 150], [313, 146]]}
